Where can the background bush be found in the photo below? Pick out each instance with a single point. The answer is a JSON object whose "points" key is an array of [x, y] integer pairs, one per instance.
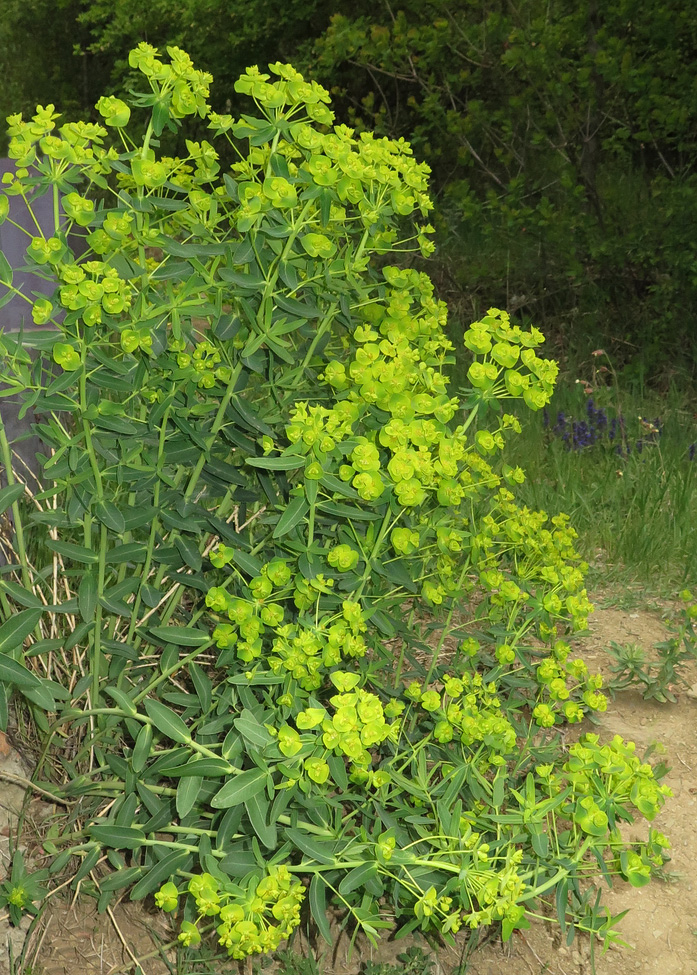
{"points": [[561, 136]]}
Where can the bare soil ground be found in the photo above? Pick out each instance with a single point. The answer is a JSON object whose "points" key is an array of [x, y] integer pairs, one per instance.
{"points": [[661, 926]]}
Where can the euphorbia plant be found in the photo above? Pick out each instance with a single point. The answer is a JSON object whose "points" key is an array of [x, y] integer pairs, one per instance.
{"points": [[261, 509]]}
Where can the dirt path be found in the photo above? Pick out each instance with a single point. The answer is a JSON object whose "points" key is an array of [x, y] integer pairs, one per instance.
{"points": [[661, 925]]}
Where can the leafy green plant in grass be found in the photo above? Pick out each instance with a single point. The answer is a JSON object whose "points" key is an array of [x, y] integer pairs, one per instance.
{"points": [[656, 678], [307, 650]]}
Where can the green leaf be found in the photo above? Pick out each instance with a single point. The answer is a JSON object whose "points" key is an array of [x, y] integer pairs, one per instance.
{"points": [[130, 552], [321, 852], [87, 596], [180, 636], [318, 907], [40, 695], [76, 553], [257, 807], [358, 877], [249, 728], [20, 594], [110, 516], [120, 878], [294, 307], [261, 679], [5, 270], [337, 486], [251, 282], [188, 789], [10, 494], [247, 563], [142, 748], [189, 553], [240, 788], [239, 862], [122, 700], [202, 685], [14, 631], [346, 512], [292, 516], [291, 462], [118, 837], [166, 721], [160, 873]]}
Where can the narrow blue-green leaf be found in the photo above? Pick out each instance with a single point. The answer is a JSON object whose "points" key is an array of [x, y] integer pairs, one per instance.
{"points": [[76, 553], [203, 768], [240, 788], [160, 873], [130, 552], [180, 636], [257, 807], [122, 699], [142, 748], [265, 679], [20, 595], [249, 728], [358, 877], [166, 721], [10, 494], [109, 515], [87, 596], [41, 696], [318, 907], [14, 631], [189, 553], [321, 852], [120, 878], [118, 837], [187, 793], [5, 270], [289, 463], [292, 516]]}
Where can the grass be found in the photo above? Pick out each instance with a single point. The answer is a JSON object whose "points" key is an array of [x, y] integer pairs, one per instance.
{"points": [[632, 496]]}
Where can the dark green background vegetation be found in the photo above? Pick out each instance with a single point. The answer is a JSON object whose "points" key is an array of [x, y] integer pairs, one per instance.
{"points": [[561, 134]]}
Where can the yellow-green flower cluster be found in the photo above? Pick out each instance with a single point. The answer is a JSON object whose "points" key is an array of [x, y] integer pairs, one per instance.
{"points": [[501, 349], [184, 88], [307, 653], [358, 723], [563, 682], [625, 779], [488, 891], [470, 709], [79, 143], [253, 919], [495, 894], [91, 288], [201, 363], [250, 617], [317, 430]]}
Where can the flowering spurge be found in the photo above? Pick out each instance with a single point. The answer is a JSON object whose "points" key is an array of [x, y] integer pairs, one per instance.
{"points": [[253, 917], [269, 505]]}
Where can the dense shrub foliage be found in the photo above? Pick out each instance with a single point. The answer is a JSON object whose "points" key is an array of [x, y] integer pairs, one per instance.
{"points": [[561, 135], [275, 589]]}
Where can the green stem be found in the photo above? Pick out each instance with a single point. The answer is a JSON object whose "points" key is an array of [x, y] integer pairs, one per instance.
{"points": [[96, 635], [154, 526], [19, 528], [217, 424]]}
